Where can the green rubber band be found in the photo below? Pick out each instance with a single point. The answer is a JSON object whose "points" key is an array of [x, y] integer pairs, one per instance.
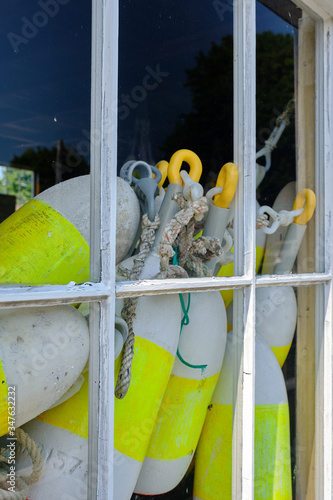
{"points": [[185, 321], [175, 257]]}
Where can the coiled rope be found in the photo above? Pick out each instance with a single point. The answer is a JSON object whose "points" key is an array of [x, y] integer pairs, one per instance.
{"points": [[128, 312], [22, 483], [192, 253]]}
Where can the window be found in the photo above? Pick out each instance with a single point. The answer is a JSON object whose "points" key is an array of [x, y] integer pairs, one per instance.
{"points": [[127, 123]]}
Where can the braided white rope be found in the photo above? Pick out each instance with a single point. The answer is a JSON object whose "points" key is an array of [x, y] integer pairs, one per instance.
{"points": [[128, 312], [192, 255]]}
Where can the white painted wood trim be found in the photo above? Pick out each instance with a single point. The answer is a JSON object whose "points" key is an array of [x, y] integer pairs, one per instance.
{"points": [[318, 9], [154, 287], [104, 184], [245, 215], [104, 119], [324, 163], [95, 237]]}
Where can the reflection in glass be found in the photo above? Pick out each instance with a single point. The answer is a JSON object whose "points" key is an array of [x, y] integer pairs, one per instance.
{"points": [[44, 139], [275, 111], [45, 353]]}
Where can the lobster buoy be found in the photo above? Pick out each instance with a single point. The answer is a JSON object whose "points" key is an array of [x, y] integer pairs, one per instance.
{"points": [[61, 433], [156, 326], [228, 270], [192, 381], [276, 316], [43, 351], [219, 212], [71, 199], [276, 307], [274, 241], [39, 246], [187, 396], [213, 466]]}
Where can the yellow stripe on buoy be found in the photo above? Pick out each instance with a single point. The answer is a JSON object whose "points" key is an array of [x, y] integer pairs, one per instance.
{"points": [[4, 414], [71, 415], [272, 476], [228, 270], [39, 246], [135, 414], [213, 478], [259, 257], [281, 353], [180, 419]]}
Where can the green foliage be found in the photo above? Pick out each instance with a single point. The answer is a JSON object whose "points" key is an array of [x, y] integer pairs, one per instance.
{"points": [[43, 162], [208, 128], [18, 183], [275, 87]]}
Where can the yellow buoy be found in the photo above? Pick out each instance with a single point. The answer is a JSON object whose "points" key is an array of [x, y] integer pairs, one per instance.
{"points": [[39, 246], [213, 466]]}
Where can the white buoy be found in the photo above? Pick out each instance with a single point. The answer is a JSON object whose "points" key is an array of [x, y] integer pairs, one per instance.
{"points": [[43, 351], [276, 316], [228, 270], [156, 326], [213, 465], [187, 396], [61, 434], [276, 307], [71, 199], [219, 211], [194, 375], [283, 201]]}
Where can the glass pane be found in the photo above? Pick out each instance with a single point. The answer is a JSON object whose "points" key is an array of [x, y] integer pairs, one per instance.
{"points": [[286, 191], [288, 346], [44, 363], [176, 113], [45, 141], [178, 351]]}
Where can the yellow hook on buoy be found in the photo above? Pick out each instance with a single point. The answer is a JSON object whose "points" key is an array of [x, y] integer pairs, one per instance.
{"points": [[175, 164], [307, 197], [163, 168], [227, 178]]}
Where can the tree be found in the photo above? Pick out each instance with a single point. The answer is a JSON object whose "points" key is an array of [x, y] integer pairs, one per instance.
{"points": [[18, 183], [208, 128], [45, 162]]}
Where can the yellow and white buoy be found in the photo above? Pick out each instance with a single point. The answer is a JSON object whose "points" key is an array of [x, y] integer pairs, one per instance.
{"points": [[213, 466]]}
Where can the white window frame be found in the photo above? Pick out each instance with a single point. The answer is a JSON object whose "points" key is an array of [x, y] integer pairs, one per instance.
{"points": [[103, 290]]}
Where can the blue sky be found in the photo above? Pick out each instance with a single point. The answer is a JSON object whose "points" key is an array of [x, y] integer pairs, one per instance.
{"points": [[45, 84]]}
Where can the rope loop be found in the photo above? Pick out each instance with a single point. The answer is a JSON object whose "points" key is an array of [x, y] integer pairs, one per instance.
{"points": [[22, 483], [128, 312]]}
